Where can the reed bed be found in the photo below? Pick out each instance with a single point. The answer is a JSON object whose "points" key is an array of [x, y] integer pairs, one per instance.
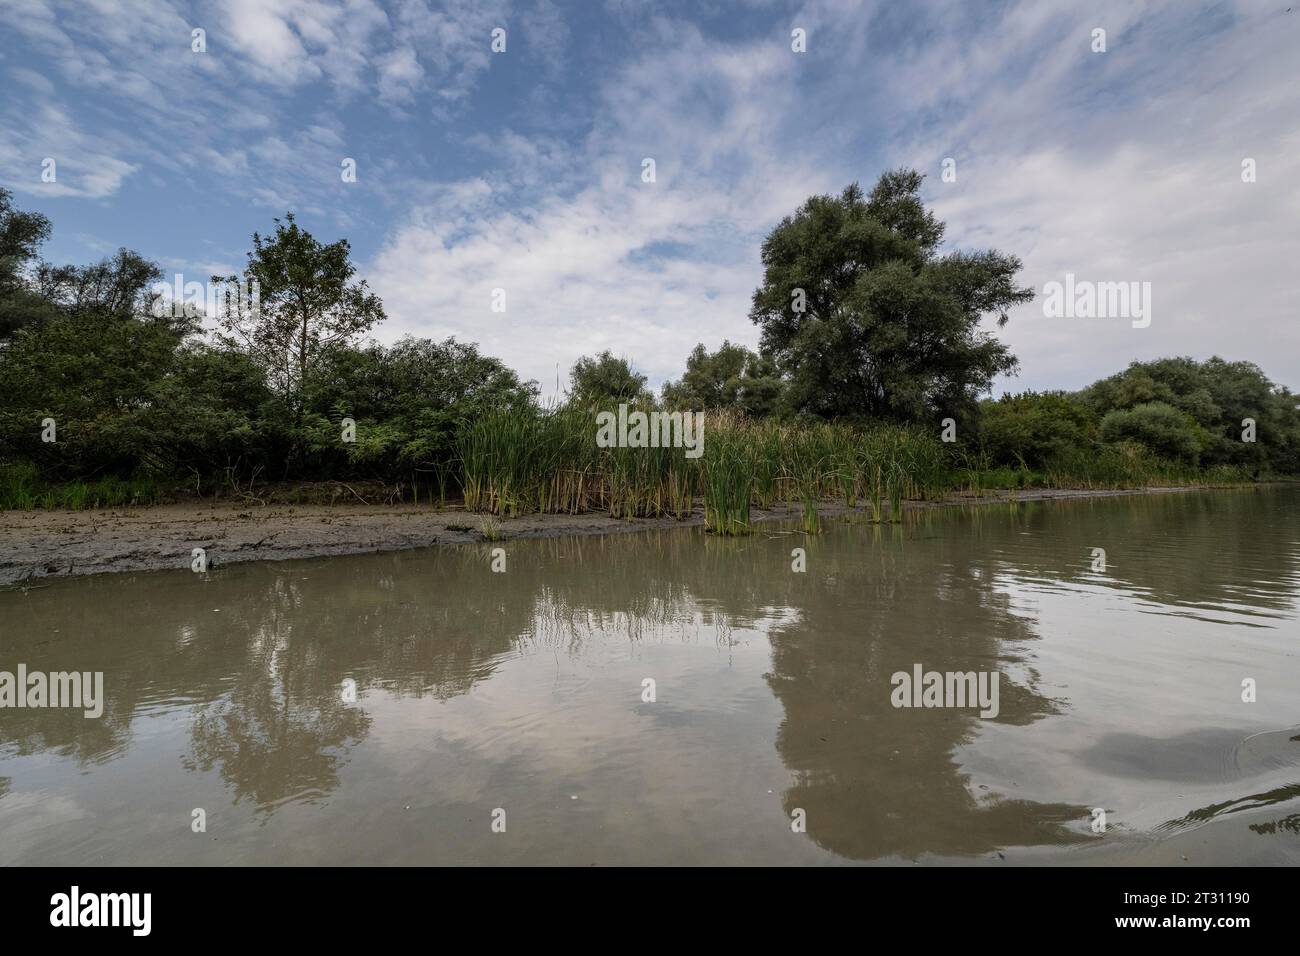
{"points": [[547, 460], [512, 462]]}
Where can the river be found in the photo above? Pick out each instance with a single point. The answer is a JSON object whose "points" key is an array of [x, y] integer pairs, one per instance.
{"points": [[671, 697]]}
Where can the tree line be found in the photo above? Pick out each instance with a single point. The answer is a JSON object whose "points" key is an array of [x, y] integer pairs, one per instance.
{"points": [[862, 319]]}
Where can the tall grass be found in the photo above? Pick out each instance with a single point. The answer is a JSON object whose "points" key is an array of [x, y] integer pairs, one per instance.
{"points": [[22, 489], [727, 481], [546, 460]]}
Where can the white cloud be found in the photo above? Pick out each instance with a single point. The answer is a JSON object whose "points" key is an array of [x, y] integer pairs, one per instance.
{"points": [[566, 249], [1124, 168], [399, 74], [80, 166]]}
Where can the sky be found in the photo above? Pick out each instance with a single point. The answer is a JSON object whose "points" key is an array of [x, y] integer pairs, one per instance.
{"points": [[522, 170]]}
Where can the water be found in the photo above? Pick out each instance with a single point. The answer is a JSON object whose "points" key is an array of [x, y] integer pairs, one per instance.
{"points": [[522, 691]]}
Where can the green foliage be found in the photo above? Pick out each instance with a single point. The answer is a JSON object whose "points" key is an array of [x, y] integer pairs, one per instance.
{"points": [[22, 489], [307, 305], [1158, 427], [606, 381], [407, 400], [546, 460], [1217, 396], [121, 287], [21, 235], [888, 329], [732, 378], [1034, 428], [840, 405]]}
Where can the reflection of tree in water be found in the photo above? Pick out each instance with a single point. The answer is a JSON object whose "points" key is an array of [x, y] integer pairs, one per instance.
{"points": [[1253, 801], [874, 780], [1286, 825], [415, 625], [260, 652], [66, 731], [666, 585], [283, 730], [276, 735]]}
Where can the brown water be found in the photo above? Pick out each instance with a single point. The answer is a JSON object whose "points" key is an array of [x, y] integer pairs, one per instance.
{"points": [[523, 691]]}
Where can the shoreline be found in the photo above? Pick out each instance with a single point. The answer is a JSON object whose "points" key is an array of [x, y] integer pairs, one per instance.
{"points": [[39, 544]]}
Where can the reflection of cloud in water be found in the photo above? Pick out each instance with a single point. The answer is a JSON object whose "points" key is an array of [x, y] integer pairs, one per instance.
{"points": [[27, 819]]}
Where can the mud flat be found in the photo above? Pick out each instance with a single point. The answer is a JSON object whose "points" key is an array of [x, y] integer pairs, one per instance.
{"points": [[35, 544]]}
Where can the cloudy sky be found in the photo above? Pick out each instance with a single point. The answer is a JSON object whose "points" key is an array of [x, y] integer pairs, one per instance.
{"points": [[522, 170]]}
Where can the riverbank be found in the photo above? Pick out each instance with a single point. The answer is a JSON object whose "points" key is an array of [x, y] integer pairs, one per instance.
{"points": [[37, 544]]}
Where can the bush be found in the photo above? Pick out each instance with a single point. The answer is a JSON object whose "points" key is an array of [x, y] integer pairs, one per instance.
{"points": [[1161, 429], [1034, 428]]}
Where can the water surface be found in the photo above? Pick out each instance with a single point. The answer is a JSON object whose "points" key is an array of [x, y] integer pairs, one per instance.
{"points": [[523, 692]]}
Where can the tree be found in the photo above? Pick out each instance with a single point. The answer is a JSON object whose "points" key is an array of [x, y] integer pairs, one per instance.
{"points": [[732, 377], [298, 301], [409, 399], [96, 380], [864, 317], [121, 287], [21, 234], [606, 380], [1217, 395]]}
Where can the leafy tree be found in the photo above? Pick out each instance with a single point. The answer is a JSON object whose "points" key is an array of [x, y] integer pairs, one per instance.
{"points": [[307, 304], [1218, 395], [21, 235], [732, 377], [95, 380], [214, 413], [120, 287], [607, 380], [865, 318], [762, 390], [408, 400]]}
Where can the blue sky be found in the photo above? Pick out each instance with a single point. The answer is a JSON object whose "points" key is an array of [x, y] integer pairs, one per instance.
{"points": [[522, 170]]}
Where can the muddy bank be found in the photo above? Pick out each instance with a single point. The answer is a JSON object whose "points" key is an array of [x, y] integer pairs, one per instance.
{"points": [[35, 544]]}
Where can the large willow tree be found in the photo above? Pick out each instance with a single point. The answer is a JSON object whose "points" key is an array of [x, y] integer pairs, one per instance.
{"points": [[866, 318]]}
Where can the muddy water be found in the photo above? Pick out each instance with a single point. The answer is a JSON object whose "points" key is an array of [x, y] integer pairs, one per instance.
{"points": [[771, 737]]}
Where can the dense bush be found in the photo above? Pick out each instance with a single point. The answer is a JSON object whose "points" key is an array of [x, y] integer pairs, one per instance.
{"points": [[1158, 427], [1033, 429], [1217, 396]]}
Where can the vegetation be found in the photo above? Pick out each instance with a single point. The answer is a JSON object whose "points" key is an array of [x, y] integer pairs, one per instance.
{"points": [[732, 378], [607, 380], [866, 320], [544, 460], [869, 340]]}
